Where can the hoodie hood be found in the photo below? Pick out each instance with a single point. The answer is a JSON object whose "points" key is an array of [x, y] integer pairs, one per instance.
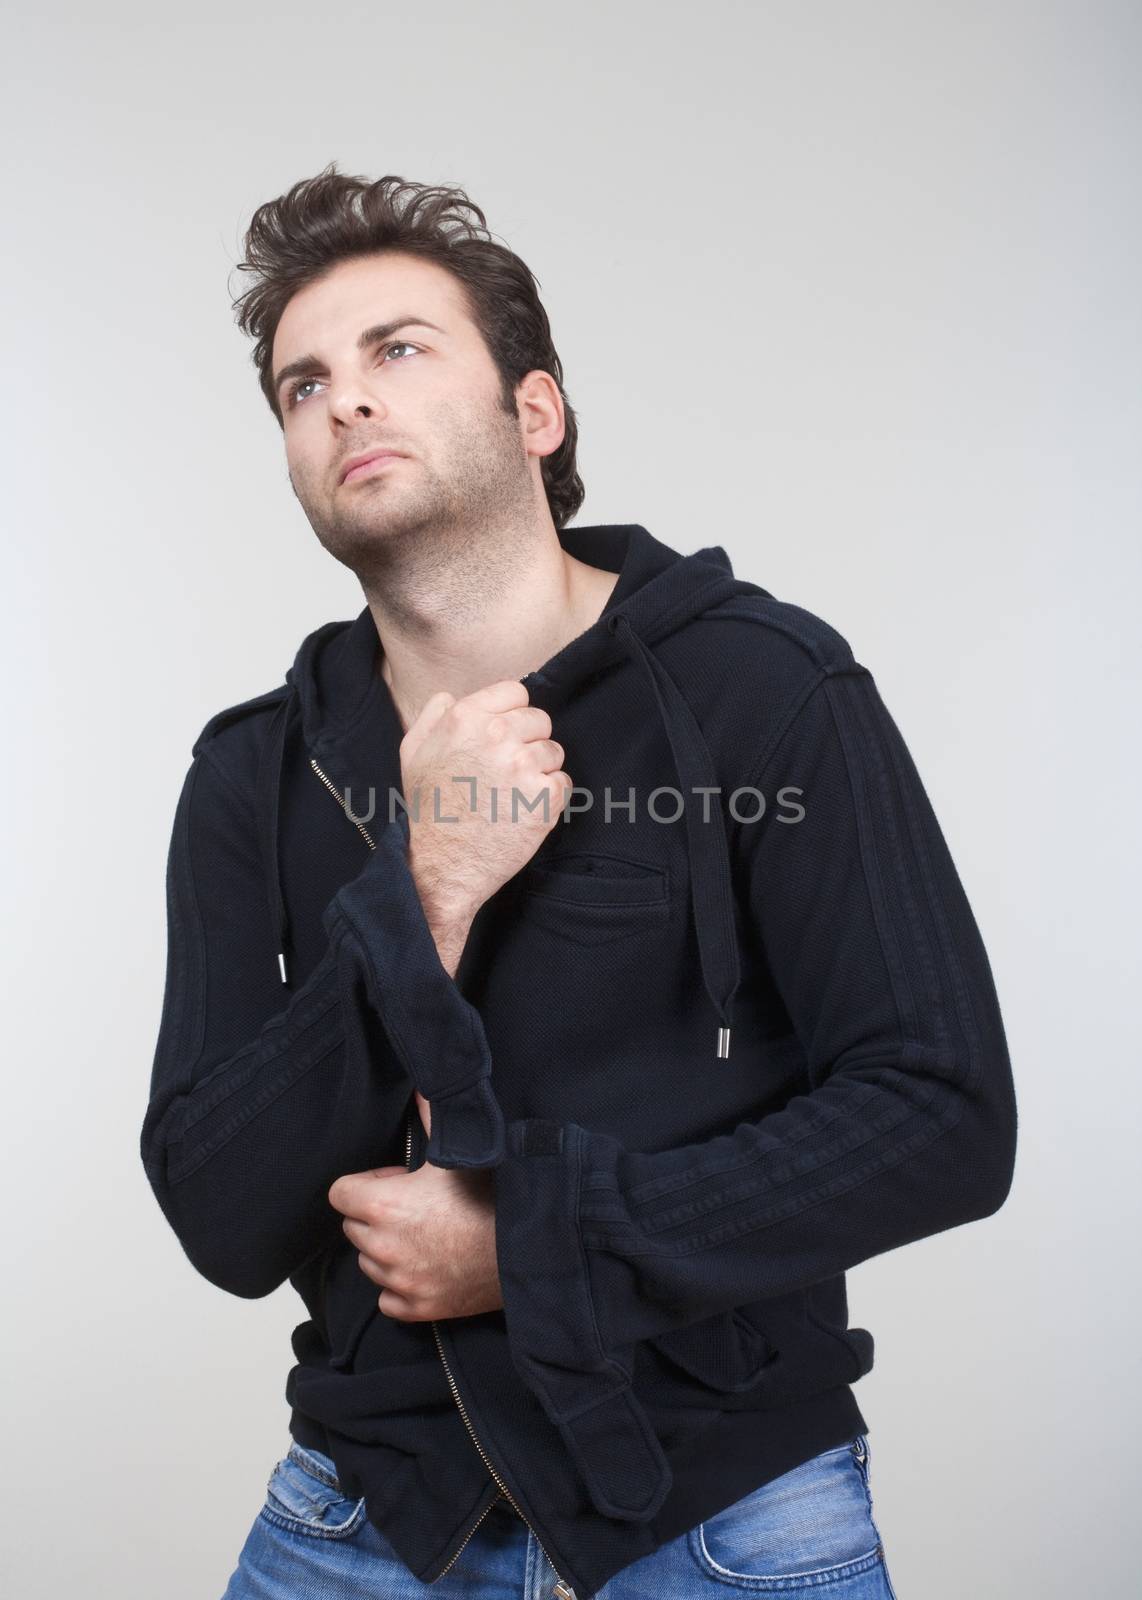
{"points": [[335, 680]]}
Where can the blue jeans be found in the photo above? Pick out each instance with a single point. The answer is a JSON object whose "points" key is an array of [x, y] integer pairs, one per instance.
{"points": [[809, 1531]]}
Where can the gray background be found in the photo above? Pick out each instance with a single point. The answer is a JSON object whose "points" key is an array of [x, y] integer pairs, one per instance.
{"points": [[850, 289]]}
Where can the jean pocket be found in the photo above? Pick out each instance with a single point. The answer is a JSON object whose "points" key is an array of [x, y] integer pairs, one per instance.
{"points": [[810, 1528], [304, 1496]]}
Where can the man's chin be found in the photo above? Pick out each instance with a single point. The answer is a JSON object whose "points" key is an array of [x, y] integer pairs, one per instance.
{"points": [[357, 541]]}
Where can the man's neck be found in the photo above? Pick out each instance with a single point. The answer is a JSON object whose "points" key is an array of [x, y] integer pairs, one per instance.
{"points": [[531, 613]]}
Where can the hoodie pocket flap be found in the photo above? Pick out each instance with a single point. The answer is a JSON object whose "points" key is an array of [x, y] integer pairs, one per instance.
{"points": [[591, 878], [725, 1352]]}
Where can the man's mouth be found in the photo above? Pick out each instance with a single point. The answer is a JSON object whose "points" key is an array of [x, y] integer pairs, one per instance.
{"points": [[361, 466]]}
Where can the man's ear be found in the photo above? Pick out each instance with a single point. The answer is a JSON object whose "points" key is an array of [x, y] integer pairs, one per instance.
{"points": [[540, 405]]}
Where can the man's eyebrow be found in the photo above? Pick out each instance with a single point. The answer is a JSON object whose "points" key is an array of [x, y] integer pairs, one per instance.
{"points": [[305, 366]]}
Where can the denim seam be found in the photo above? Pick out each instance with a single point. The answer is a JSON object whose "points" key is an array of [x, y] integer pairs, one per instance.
{"points": [[815, 1577], [310, 1464]]}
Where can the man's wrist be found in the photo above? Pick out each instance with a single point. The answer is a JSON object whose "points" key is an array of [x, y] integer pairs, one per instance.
{"points": [[449, 917], [450, 935]]}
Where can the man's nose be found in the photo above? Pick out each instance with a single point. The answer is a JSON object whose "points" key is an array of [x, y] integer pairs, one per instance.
{"points": [[352, 400]]}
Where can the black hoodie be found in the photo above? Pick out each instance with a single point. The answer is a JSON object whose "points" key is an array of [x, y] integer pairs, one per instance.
{"points": [[719, 1046]]}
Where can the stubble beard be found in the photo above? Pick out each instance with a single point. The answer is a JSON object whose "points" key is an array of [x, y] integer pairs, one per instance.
{"points": [[413, 520]]}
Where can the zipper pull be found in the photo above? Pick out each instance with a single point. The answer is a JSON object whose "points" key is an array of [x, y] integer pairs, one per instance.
{"points": [[563, 1591]]}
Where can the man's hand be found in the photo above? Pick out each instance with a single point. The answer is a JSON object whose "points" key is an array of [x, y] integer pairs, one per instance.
{"points": [[470, 770], [428, 1237]]}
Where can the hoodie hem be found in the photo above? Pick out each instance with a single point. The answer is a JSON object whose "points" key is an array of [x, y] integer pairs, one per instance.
{"points": [[738, 1454]]}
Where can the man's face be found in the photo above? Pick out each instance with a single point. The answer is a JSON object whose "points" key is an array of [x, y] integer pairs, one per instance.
{"points": [[427, 389]]}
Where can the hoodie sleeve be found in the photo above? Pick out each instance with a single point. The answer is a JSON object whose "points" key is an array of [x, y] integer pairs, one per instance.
{"points": [[260, 1097], [906, 1122]]}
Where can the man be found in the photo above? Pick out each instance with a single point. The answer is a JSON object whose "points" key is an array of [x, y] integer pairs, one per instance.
{"points": [[568, 981]]}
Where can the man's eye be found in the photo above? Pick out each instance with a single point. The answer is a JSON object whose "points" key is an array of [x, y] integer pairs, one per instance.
{"points": [[294, 393]]}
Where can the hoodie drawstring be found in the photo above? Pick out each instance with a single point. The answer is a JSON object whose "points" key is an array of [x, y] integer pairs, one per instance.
{"points": [[269, 805], [710, 880]]}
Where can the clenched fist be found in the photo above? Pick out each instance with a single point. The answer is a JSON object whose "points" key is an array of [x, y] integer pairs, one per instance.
{"points": [[427, 1238], [483, 781]]}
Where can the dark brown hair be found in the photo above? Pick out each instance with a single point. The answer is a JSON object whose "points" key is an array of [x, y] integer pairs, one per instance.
{"points": [[293, 240]]}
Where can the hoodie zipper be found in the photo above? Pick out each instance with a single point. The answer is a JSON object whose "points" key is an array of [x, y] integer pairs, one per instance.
{"points": [[562, 1590], [332, 790]]}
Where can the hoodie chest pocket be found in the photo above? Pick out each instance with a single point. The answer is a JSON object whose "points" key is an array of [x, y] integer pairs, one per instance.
{"points": [[592, 898]]}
